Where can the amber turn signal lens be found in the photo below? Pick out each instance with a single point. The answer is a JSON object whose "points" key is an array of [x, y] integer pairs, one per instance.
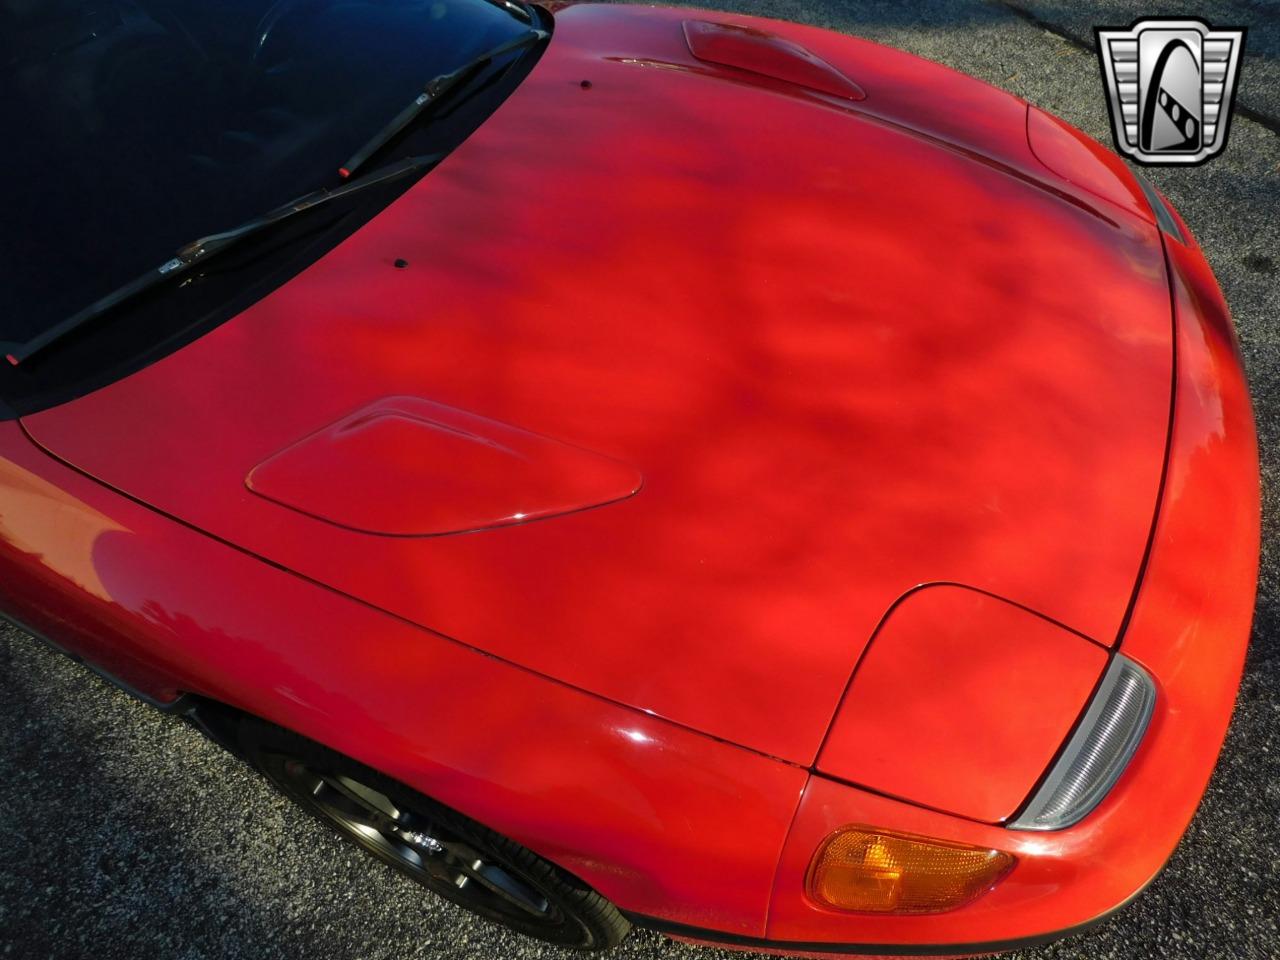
{"points": [[872, 871]]}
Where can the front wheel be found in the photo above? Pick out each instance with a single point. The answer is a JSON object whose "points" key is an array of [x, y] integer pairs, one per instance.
{"points": [[446, 852]]}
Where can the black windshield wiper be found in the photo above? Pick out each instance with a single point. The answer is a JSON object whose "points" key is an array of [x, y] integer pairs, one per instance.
{"points": [[436, 88], [197, 251], [519, 10]]}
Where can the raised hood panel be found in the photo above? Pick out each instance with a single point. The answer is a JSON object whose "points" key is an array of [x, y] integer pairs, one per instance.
{"points": [[846, 358], [403, 467]]}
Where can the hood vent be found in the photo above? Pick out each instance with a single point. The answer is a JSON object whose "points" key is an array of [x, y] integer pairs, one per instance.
{"points": [[768, 55], [408, 467]]}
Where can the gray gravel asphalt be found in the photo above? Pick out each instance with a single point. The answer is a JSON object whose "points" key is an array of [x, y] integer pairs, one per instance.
{"points": [[128, 835]]}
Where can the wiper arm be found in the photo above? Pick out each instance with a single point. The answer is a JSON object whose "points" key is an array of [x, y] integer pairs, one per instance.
{"points": [[197, 251], [436, 88], [519, 10]]}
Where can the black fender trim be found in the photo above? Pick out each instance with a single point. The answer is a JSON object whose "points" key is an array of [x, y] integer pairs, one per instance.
{"points": [[180, 705]]}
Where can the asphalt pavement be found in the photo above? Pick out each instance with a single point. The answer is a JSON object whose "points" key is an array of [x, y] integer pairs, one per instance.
{"points": [[127, 835]]}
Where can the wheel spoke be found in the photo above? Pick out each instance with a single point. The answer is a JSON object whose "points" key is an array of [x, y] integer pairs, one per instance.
{"points": [[341, 803], [352, 799], [367, 796], [496, 880]]}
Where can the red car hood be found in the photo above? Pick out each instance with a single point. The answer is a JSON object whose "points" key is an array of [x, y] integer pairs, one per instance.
{"points": [[849, 347]]}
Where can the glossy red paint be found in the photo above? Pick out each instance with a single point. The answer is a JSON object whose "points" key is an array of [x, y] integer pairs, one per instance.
{"points": [[405, 467], [829, 404], [1189, 629], [633, 804], [961, 681]]}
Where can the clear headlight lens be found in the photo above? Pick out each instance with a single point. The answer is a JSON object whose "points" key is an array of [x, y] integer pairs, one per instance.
{"points": [[1097, 752]]}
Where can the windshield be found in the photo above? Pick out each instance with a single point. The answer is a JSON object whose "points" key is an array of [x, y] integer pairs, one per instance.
{"points": [[135, 126]]}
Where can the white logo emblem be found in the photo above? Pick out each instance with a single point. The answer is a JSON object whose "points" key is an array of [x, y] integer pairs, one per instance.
{"points": [[1170, 87]]}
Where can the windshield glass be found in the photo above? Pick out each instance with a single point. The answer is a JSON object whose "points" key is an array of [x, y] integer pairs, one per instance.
{"points": [[135, 126]]}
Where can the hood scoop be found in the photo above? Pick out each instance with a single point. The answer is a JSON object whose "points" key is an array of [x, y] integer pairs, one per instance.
{"points": [[408, 467], [768, 55]]}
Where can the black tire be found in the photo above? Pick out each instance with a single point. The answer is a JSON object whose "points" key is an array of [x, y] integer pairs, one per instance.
{"points": [[439, 847]]}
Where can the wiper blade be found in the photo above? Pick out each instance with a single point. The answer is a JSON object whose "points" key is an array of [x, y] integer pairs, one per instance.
{"points": [[436, 88], [197, 251]]}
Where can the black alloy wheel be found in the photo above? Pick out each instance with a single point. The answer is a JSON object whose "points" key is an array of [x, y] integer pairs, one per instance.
{"points": [[448, 853]]}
